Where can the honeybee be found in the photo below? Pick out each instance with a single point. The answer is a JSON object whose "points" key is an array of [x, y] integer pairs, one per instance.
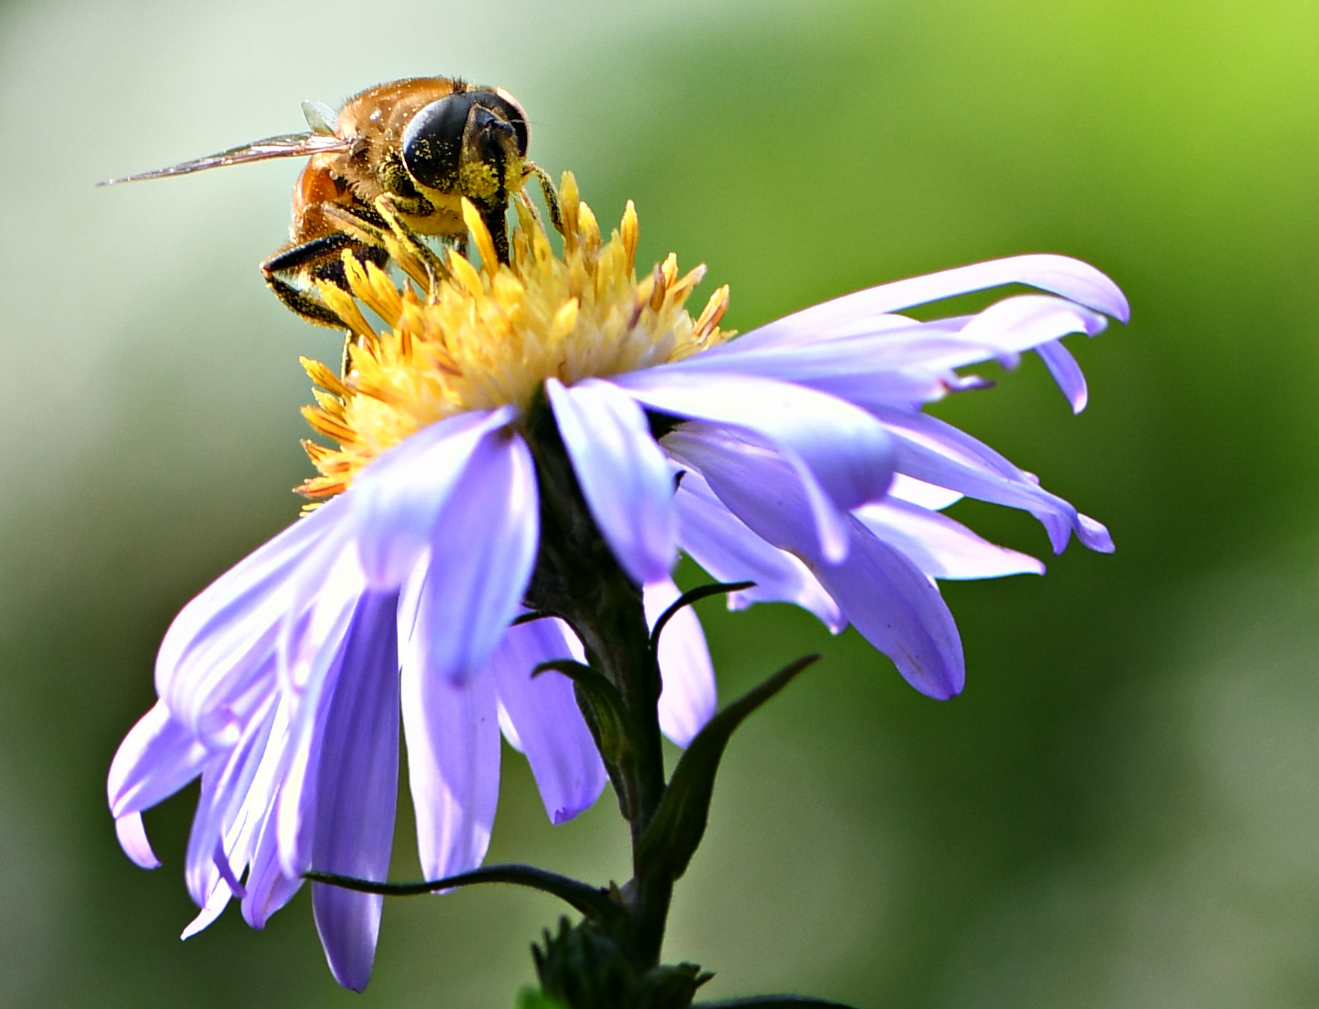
{"points": [[397, 158]]}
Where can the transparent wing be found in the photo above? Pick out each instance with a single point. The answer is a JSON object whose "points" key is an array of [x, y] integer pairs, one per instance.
{"points": [[292, 145]]}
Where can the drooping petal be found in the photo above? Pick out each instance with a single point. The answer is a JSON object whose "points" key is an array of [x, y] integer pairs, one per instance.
{"points": [[622, 473], [939, 546], [897, 361], [225, 636], [722, 544], [1025, 321], [133, 839], [235, 799], [311, 652], [938, 453], [841, 455], [687, 700], [356, 788], [1066, 372], [323, 597], [899, 611], [397, 499], [545, 719], [889, 600], [157, 758], [215, 904], [481, 555], [452, 733], [888, 364], [1069, 278], [268, 888]]}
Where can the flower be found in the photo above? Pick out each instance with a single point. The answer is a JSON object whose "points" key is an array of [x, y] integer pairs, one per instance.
{"points": [[803, 463]]}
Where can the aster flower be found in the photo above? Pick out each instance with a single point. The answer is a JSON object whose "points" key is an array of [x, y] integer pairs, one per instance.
{"points": [[802, 463]]}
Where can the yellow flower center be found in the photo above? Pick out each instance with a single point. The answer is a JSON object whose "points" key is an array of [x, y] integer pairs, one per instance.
{"points": [[482, 338]]}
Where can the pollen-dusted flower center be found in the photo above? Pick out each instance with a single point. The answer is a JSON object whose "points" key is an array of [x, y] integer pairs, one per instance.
{"points": [[482, 338]]}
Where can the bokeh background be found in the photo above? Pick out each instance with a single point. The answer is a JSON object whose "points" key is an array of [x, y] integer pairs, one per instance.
{"points": [[1120, 811]]}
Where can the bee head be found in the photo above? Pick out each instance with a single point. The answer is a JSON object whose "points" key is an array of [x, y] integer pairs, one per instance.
{"points": [[470, 142]]}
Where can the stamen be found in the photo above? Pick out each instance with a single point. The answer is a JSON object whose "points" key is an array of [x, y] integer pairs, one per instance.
{"points": [[569, 202], [630, 230], [714, 310], [462, 339], [341, 303], [466, 275], [565, 319], [590, 227], [324, 377]]}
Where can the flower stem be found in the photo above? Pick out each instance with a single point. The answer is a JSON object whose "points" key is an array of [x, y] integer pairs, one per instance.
{"points": [[578, 580]]}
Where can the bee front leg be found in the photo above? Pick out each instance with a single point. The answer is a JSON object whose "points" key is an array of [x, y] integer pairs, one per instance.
{"points": [[548, 191], [495, 218]]}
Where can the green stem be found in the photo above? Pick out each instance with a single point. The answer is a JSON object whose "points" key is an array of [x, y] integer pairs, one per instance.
{"points": [[578, 579]]}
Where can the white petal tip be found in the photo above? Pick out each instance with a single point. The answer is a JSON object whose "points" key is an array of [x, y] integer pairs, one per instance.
{"points": [[133, 839], [207, 914]]}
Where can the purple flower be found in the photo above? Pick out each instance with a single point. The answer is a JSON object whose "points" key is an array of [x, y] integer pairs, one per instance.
{"points": [[805, 466]]}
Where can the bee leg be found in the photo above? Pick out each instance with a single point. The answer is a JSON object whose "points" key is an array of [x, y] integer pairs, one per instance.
{"points": [[548, 191], [409, 245], [319, 259], [307, 256], [495, 219]]}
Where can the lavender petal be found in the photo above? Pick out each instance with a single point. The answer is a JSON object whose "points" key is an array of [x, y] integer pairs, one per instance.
{"points": [[397, 499], [687, 700], [545, 718], [452, 733], [622, 472], [939, 546], [268, 888], [889, 600], [133, 839], [224, 638], [938, 453], [722, 544], [840, 454], [481, 555], [899, 611], [356, 786], [1070, 278], [1066, 372], [157, 758]]}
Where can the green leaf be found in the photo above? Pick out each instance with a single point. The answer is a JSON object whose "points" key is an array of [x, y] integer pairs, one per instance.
{"points": [[611, 716], [589, 900], [771, 1002], [693, 596], [534, 998], [674, 834]]}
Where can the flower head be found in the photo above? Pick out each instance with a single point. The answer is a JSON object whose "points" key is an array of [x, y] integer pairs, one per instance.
{"points": [[796, 457]]}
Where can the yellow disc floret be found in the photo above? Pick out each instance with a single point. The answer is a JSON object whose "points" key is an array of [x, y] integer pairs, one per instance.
{"points": [[482, 338]]}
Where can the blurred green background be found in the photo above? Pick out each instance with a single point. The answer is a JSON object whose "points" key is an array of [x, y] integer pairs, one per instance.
{"points": [[1120, 811]]}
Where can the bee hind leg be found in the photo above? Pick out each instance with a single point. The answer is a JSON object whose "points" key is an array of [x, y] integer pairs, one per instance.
{"points": [[318, 259], [309, 258]]}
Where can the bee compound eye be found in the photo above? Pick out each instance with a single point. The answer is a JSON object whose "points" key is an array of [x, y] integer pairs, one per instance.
{"points": [[433, 141]]}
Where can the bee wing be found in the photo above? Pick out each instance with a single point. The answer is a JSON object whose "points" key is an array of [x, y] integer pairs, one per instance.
{"points": [[292, 145]]}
